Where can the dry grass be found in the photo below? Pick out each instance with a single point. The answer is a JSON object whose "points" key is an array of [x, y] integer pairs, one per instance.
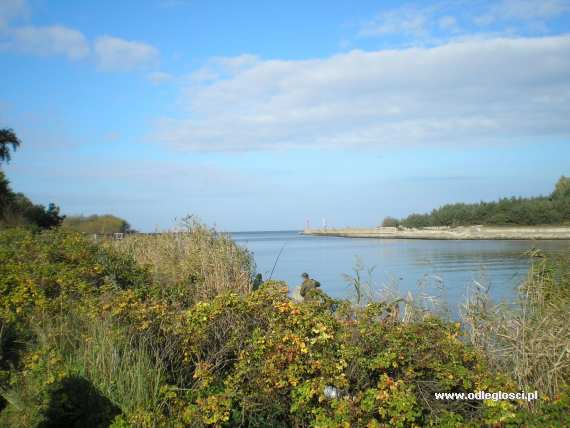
{"points": [[195, 262], [530, 340]]}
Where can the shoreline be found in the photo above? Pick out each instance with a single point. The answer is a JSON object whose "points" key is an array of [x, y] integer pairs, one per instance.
{"points": [[451, 233]]}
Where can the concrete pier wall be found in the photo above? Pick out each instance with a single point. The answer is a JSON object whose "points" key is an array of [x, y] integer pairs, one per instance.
{"points": [[463, 232]]}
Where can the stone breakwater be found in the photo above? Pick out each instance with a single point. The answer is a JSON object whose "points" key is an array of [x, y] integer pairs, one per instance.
{"points": [[462, 232]]}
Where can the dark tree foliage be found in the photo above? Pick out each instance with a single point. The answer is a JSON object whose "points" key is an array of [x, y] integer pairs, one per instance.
{"points": [[6, 194], [17, 210], [38, 215], [8, 138], [553, 209]]}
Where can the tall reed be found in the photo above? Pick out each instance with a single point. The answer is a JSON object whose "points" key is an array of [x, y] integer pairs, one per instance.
{"points": [[531, 339], [194, 262]]}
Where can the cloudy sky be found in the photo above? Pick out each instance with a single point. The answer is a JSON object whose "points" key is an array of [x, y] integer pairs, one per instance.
{"points": [[257, 115]]}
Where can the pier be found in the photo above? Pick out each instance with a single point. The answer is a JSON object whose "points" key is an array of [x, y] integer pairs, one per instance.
{"points": [[450, 233]]}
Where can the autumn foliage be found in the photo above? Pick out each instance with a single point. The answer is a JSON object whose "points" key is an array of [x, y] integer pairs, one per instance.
{"points": [[84, 323]]}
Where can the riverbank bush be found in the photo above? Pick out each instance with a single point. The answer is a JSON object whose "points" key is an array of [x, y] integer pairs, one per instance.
{"points": [[90, 337]]}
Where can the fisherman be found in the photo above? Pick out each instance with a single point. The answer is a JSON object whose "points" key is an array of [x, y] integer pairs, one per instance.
{"points": [[257, 281], [309, 288]]}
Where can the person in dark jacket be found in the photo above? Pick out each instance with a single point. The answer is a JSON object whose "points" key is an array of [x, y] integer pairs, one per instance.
{"points": [[257, 281], [309, 288]]}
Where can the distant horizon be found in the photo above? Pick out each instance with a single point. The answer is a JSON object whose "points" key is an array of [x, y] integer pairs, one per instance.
{"points": [[314, 226], [264, 231]]}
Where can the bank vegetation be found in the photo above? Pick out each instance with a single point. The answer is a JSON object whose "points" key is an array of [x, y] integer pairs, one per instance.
{"points": [[167, 330]]}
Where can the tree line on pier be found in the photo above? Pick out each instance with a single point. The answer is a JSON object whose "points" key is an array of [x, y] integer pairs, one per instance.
{"points": [[540, 210]]}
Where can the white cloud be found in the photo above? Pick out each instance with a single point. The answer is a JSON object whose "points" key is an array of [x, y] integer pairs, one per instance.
{"points": [[236, 62], [530, 12], [442, 19], [115, 54], [478, 90], [529, 9], [203, 74], [407, 20], [11, 9], [111, 53], [448, 23], [54, 40], [218, 67], [158, 77]]}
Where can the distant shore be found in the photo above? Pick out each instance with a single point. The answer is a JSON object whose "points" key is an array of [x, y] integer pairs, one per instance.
{"points": [[451, 233]]}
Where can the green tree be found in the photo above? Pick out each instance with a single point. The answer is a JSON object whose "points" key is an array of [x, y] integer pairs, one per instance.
{"points": [[506, 211], [6, 194], [97, 224], [562, 188], [8, 138], [390, 222], [34, 214], [17, 210]]}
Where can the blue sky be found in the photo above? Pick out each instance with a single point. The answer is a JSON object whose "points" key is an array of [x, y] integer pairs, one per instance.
{"points": [[260, 115]]}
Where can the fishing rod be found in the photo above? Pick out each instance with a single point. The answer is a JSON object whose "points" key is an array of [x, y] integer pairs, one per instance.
{"points": [[276, 260]]}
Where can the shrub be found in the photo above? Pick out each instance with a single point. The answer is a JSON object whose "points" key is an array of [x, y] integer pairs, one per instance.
{"points": [[274, 366], [55, 269]]}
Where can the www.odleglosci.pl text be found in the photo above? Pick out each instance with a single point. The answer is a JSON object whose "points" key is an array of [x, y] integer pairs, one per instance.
{"points": [[483, 395]]}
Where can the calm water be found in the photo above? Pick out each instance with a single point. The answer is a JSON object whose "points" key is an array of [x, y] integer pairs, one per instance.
{"points": [[443, 268]]}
